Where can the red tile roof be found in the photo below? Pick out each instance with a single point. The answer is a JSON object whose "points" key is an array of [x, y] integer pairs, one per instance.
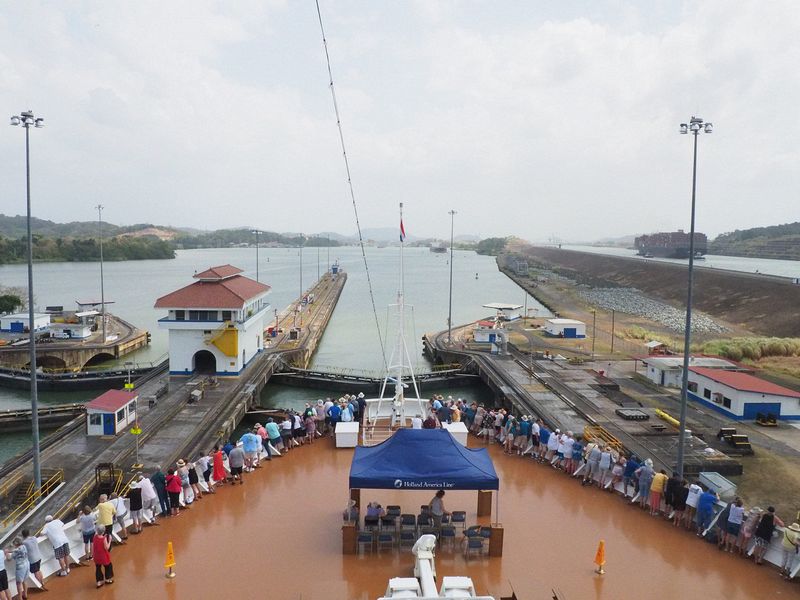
{"points": [[230, 293], [112, 400], [220, 272], [744, 382]]}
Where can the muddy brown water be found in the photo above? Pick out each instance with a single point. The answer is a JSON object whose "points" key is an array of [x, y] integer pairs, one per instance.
{"points": [[278, 536]]}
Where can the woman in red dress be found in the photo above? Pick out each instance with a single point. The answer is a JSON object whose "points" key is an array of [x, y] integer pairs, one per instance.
{"points": [[218, 474], [101, 544]]}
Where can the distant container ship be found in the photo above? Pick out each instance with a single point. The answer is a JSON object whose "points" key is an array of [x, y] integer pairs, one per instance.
{"points": [[672, 244], [438, 248]]}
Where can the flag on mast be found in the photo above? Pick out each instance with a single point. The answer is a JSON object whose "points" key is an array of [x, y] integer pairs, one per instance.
{"points": [[402, 231]]}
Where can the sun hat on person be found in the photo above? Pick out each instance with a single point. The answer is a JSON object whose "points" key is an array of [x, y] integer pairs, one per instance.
{"points": [[181, 463], [795, 526], [649, 462], [48, 518]]}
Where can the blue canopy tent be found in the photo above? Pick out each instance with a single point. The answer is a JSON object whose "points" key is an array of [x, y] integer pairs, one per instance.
{"points": [[419, 459]]}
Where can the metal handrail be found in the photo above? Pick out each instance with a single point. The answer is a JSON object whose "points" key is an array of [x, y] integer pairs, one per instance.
{"points": [[591, 432], [9, 484], [47, 487], [74, 499]]}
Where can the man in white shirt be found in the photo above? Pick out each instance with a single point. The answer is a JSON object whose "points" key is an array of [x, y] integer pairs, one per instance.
{"points": [[54, 530], [416, 423]]}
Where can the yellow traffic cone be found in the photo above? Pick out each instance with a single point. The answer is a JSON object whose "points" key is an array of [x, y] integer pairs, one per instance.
{"points": [[600, 557], [169, 562]]}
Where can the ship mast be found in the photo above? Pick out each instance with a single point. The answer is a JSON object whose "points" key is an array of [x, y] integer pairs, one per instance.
{"points": [[400, 361]]}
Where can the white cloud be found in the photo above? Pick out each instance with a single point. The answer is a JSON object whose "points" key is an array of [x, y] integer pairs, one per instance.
{"points": [[215, 115]]}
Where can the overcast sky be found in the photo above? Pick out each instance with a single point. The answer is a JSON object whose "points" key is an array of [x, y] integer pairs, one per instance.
{"points": [[534, 119]]}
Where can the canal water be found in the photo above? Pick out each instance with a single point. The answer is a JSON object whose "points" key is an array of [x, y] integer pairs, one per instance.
{"points": [[767, 266], [351, 341]]}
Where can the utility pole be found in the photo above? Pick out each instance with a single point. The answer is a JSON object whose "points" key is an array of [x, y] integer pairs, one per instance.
{"points": [[257, 232], [613, 314], [26, 119], [695, 126], [452, 214], [99, 208]]}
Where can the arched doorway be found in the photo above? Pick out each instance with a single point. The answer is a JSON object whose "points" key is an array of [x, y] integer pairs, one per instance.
{"points": [[49, 363], [204, 362], [98, 359]]}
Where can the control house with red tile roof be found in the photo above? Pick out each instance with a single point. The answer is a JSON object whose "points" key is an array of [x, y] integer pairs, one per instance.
{"points": [[111, 412], [216, 324], [742, 396]]}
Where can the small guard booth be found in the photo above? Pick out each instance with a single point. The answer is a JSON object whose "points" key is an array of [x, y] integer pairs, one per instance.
{"points": [[111, 412], [425, 459]]}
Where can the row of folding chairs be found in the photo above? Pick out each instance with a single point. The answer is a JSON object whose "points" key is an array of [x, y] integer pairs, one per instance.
{"points": [[394, 520], [404, 538]]}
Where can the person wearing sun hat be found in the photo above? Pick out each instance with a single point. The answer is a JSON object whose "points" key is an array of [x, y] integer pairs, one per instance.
{"points": [[789, 545]]}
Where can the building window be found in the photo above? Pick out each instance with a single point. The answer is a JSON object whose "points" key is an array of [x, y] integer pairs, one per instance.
{"points": [[120, 415], [226, 315], [95, 419], [207, 332], [707, 393], [692, 386], [726, 402], [203, 315], [717, 397], [180, 315]]}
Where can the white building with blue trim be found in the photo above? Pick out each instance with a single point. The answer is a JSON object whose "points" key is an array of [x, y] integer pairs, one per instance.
{"points": [[216, 324], [741, 396]]}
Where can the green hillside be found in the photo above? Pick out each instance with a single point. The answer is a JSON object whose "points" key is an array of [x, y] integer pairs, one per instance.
{"points": [[776, 241]]}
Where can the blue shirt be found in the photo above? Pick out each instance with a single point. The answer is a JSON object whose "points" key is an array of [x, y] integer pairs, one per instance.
{"points": [[630, 467], [250, 442], [577, 451], [437, 405], [706, 501], [334, 412], [525, 428], [227, 448], [544, 435]]}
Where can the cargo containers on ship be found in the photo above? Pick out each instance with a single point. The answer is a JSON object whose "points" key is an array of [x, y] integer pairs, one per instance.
{"points": [[671, 244]]}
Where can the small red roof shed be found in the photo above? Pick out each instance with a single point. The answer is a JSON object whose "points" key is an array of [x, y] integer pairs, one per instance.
{"points": [[111, 401]]}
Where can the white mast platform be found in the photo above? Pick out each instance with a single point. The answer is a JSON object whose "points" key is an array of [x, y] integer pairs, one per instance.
{"points": [[388, 413]]}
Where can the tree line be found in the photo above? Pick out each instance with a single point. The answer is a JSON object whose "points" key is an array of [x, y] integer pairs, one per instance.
{"points": [[59, 249]]}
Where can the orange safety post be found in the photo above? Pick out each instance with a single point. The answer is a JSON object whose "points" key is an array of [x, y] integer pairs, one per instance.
{"points": [[600, 557], [169, 562]]}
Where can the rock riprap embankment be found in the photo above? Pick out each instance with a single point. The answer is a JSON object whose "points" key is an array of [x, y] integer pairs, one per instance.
{"points": [[634, 302]]}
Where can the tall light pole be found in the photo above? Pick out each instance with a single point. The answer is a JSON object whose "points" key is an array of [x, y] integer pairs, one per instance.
{"points": [[695, 126], [257, 232], [594, 329], [452, 214], [26, 119], [99, 208]]}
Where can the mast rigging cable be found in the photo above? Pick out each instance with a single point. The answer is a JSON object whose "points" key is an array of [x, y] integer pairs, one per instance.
{"points": [[350, 185]]}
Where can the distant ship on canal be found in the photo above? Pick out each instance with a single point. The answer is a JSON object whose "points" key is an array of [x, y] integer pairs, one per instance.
{"points": [[672, 244]]}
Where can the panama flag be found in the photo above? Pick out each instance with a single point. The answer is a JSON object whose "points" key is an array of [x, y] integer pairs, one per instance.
{"points": [[402, 231]]}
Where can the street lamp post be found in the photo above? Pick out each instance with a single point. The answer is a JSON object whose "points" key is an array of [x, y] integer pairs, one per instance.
{"points": [[452, 214], [99, 208], [594, 329], [695, 126], [26, 119], [257, 232]]}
